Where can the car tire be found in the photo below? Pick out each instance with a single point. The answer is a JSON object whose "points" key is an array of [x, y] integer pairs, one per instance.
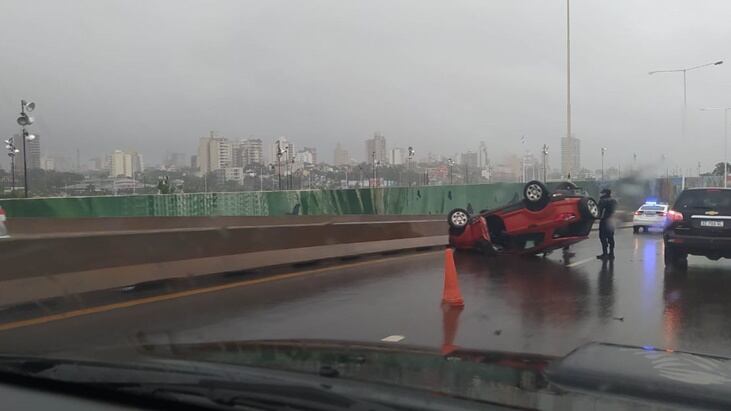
{"points": [[588, 208], [536, 195], [675, 258], [458, 218], [636, 229]]}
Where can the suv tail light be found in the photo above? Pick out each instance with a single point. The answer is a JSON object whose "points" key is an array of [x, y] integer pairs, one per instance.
{"points": [[638, 212], [661, 213], [675, 216]]}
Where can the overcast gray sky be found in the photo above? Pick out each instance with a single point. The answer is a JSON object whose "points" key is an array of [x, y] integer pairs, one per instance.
{"points": [[154, 75]]}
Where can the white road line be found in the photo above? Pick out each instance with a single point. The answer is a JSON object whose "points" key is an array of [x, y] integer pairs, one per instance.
{"points": [[580, 262], [393, 338]]}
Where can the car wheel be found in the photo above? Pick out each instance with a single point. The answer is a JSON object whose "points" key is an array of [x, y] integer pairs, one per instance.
{"points": [[535, 195], [588, 208], [458, 218], [636, 229], [675, 258]]}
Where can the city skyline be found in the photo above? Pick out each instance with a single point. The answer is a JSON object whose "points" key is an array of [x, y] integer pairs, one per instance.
{"points": [[238, 78]]}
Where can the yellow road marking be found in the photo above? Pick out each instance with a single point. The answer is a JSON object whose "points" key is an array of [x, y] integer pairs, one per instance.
{"points": [[580, 262], [187, 293]]}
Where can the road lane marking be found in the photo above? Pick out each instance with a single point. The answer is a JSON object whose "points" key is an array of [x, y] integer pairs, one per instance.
{"points": [[393, 338], [187, 293], [580, 262]]}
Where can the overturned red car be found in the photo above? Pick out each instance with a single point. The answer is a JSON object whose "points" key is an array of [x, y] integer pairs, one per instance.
{"points": [[542, 222]]}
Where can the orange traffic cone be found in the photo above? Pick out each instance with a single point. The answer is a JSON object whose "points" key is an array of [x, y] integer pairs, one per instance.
{"points": [[451, 295], [450, 321]]}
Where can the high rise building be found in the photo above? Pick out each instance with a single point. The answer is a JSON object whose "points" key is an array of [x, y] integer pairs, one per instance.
{"points": [[96, 164], [304, 156], [121, 163], [214, 153], [281, 145], [570, 156], [397, 156], [469, 159], [55, 163], [34, 152], [376, 149], [252, 152], [48, 163], [482, 160], [313, 152], [341, 157]]}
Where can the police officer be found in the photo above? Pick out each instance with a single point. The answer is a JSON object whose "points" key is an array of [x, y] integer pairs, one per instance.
{"points": [[607, 206]]}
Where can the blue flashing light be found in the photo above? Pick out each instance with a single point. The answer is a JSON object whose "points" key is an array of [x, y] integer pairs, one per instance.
{"points": [[651, 201], [648, 348]]}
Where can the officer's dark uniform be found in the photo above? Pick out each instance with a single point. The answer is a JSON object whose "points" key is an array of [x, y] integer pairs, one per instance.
{"points": [[607, 206]]}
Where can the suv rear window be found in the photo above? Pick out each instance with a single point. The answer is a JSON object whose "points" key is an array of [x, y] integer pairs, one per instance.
{"points": [[713, 199]]}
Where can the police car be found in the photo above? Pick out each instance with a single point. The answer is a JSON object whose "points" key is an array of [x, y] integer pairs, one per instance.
{"points": [[650, 215]]}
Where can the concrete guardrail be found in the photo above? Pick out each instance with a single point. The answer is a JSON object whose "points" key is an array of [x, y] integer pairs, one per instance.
{"points": [[39, 267]]}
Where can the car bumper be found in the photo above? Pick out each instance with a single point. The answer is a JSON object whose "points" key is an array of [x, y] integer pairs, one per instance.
{"points": [[649, 222], [700, 245]]}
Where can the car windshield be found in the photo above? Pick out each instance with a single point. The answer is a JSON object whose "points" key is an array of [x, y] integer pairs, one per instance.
{"points": [[719, 200], [448, 197]]}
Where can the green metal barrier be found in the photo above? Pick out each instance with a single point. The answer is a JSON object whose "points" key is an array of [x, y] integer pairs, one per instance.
{"points": [[394, 200]]}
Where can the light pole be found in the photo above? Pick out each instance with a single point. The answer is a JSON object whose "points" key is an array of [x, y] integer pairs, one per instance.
{"points": [[725, 140], [291, 174], [685, 88], [544, 151], [24, 121], [280, 153], [411, 157], [604, 150], [373, 156], [451, 165], [568, 70], [12, 151]]}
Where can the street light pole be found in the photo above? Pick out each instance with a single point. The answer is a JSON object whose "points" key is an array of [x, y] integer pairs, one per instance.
{"points": [[12, 152], [25, 120], [373, 156], [451, 175], [411, 157], [545, 155], [568, 69], [604, 150], [685, 88]]}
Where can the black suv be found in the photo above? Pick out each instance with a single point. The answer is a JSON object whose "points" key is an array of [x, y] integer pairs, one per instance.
{"points": [[699, 224]]}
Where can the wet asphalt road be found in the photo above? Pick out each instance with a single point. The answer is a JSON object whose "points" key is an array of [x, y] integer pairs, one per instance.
{"points": [[547, 306]]}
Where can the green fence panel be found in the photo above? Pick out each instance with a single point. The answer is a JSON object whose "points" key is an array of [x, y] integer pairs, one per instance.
{"points": [[390, 200]]}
